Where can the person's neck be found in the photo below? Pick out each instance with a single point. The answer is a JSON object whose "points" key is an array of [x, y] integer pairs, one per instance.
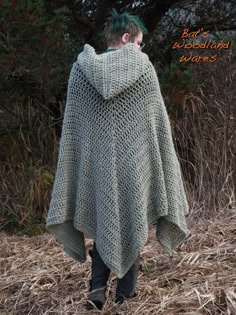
{"points": [[115, 47]]}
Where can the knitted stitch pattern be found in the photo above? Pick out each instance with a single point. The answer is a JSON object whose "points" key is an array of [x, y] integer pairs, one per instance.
{"points": [[117, 169]]}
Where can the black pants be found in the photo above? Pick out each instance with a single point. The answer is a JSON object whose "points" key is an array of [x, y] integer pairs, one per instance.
{"points": [[100, 274]]}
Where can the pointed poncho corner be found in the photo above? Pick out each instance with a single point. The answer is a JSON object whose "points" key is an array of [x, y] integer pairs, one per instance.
{"points": [[117, 169]]}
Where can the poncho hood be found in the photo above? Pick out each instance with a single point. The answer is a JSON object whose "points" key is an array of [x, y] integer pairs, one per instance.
{"points": [[111, 73]]}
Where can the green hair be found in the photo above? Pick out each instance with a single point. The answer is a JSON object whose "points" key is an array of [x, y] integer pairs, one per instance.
{"points": [[118, 24]]}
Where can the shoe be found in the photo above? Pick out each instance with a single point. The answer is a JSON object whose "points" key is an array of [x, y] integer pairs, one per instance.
{"points": [[96, 298], [121, 298]]}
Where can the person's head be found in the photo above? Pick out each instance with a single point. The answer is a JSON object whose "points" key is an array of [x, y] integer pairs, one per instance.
{"points": [[124, 28]]}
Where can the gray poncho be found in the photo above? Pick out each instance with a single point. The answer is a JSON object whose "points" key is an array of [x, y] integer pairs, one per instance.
{"points": [[117, 169]]}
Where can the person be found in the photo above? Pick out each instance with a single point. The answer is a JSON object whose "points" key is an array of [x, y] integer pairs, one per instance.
{"points": [[117, 171]]}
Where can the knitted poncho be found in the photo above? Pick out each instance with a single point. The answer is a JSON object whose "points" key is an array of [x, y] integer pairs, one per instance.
{"points": [[117, 169]]}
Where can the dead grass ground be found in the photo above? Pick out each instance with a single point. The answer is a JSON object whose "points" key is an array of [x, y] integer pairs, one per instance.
{"points": [[37, 278]]}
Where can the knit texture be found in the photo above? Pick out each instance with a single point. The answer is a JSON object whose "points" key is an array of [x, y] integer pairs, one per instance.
{"points": [[117, 169]]}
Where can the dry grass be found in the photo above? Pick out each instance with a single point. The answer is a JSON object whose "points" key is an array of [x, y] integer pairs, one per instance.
{"points": [[37, 278], [206, 135]]}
